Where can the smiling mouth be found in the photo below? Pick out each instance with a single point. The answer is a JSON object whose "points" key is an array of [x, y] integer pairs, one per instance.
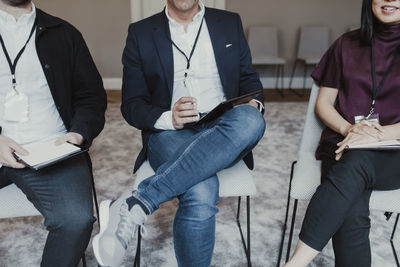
{"points": [[390, 8]]}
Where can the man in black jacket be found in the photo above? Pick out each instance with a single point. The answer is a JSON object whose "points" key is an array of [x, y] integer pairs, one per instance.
{"points": [[50, 89], [178, 65]]}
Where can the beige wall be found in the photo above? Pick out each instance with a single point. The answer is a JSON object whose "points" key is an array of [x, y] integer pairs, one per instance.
{"points": [[103, 23], [289, 15]]}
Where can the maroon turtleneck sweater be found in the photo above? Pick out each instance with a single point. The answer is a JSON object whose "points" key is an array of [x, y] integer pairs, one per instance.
{"points": [[347, 67]]}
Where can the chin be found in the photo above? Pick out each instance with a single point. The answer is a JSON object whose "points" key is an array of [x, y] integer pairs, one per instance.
{"points": [[389, 21]]}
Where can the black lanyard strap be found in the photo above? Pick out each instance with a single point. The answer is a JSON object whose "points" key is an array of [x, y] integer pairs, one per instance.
{"points": [[13, 65], [193, 48], [377, 89]]}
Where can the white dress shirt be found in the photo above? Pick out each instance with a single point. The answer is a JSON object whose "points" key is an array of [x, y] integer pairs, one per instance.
{"points": [[44, 122], [203, 81]]}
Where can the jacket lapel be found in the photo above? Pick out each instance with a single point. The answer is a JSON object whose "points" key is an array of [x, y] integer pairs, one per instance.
{"points": [[162, 40], [217, 36]]}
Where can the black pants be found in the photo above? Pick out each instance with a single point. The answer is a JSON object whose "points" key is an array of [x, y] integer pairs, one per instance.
{"points": [[339, 208], [63, 195]]}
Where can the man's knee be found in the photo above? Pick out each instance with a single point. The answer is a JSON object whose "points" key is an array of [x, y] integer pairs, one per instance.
{"points": [[246, 123], [199, 202]]}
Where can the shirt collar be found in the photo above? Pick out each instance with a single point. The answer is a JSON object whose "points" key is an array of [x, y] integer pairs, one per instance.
{"points": [[197, 17], [26, 19]]}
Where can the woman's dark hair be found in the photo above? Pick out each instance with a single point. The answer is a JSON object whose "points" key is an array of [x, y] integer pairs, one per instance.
{"points": [[367, 22]]}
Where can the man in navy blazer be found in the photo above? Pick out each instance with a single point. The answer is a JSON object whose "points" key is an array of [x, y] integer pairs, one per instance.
{"points": [[178, 64]]}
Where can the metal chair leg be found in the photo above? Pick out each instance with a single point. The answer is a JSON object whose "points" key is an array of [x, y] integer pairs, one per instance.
{"points": [[248, 232], [293, 72], [286, 217], [136, 263], [291, 230], [282, 76], [304, 79], [96, 203], [391, 240], [245, 246], [278, 75], [291, 79], [84, 260]]}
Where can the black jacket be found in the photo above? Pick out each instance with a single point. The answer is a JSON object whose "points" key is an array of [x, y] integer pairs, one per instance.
{"points": [[74, 81], [149, 70]]}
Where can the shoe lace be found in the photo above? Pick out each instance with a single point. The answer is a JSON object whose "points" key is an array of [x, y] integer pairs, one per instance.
{"points": [[128, 225]]}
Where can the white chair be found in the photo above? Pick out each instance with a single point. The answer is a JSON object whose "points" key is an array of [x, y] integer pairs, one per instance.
{"points": [[313, 42], [236, 181], [13, 203], [263, 43], [305, 176]]}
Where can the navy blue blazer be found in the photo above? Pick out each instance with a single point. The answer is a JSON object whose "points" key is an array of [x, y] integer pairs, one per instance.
{"points": [[148, 71]]}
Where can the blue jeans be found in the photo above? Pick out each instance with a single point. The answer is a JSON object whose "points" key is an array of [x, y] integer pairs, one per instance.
{"points": [[63, 195], [186, 163]]}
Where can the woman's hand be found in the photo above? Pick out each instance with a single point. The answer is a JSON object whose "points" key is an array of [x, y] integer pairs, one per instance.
{"points": [[363, 132], [372, 128]]}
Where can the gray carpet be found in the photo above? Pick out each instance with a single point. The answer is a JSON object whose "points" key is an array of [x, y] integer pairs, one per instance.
{"points": [[113, 154]]}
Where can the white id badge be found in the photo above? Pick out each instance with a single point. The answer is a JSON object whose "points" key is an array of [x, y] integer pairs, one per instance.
{"points": [[372, 117], [16, 107]]}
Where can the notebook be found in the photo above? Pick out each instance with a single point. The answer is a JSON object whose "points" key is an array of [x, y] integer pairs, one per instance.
{"points": [[44, 154], [224, 107], [382, 145]]}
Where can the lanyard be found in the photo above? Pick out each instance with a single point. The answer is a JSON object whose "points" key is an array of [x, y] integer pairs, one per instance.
{"points": [[13, 65], [377, 90], [191, 53]]}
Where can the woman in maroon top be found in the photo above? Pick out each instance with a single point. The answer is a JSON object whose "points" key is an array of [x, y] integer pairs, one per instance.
{"points": [[359, 79]]}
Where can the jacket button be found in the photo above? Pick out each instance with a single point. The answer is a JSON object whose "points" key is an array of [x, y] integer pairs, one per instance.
{"points": [[47, 66], [40, 28], [58, 107]]}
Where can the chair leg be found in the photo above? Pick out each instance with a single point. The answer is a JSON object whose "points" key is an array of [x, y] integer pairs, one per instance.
{"points": [[291, 230], [293, 72], [245, 246], [278, 75], [391, 240], [282, 76], [136, 263], [286, 217], [291, 78], [96, 203], [248, 232], [84, 260], [304, 79]]}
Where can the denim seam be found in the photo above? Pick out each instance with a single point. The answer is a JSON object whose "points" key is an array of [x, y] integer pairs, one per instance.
{"points": [[168, 170]]}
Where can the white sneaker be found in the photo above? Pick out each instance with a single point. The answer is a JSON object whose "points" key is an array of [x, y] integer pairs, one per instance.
{"points": [[118, 225]]}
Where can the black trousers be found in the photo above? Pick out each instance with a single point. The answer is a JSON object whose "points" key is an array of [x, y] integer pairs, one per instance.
{"points": [[63, 195], [339, 208]]}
